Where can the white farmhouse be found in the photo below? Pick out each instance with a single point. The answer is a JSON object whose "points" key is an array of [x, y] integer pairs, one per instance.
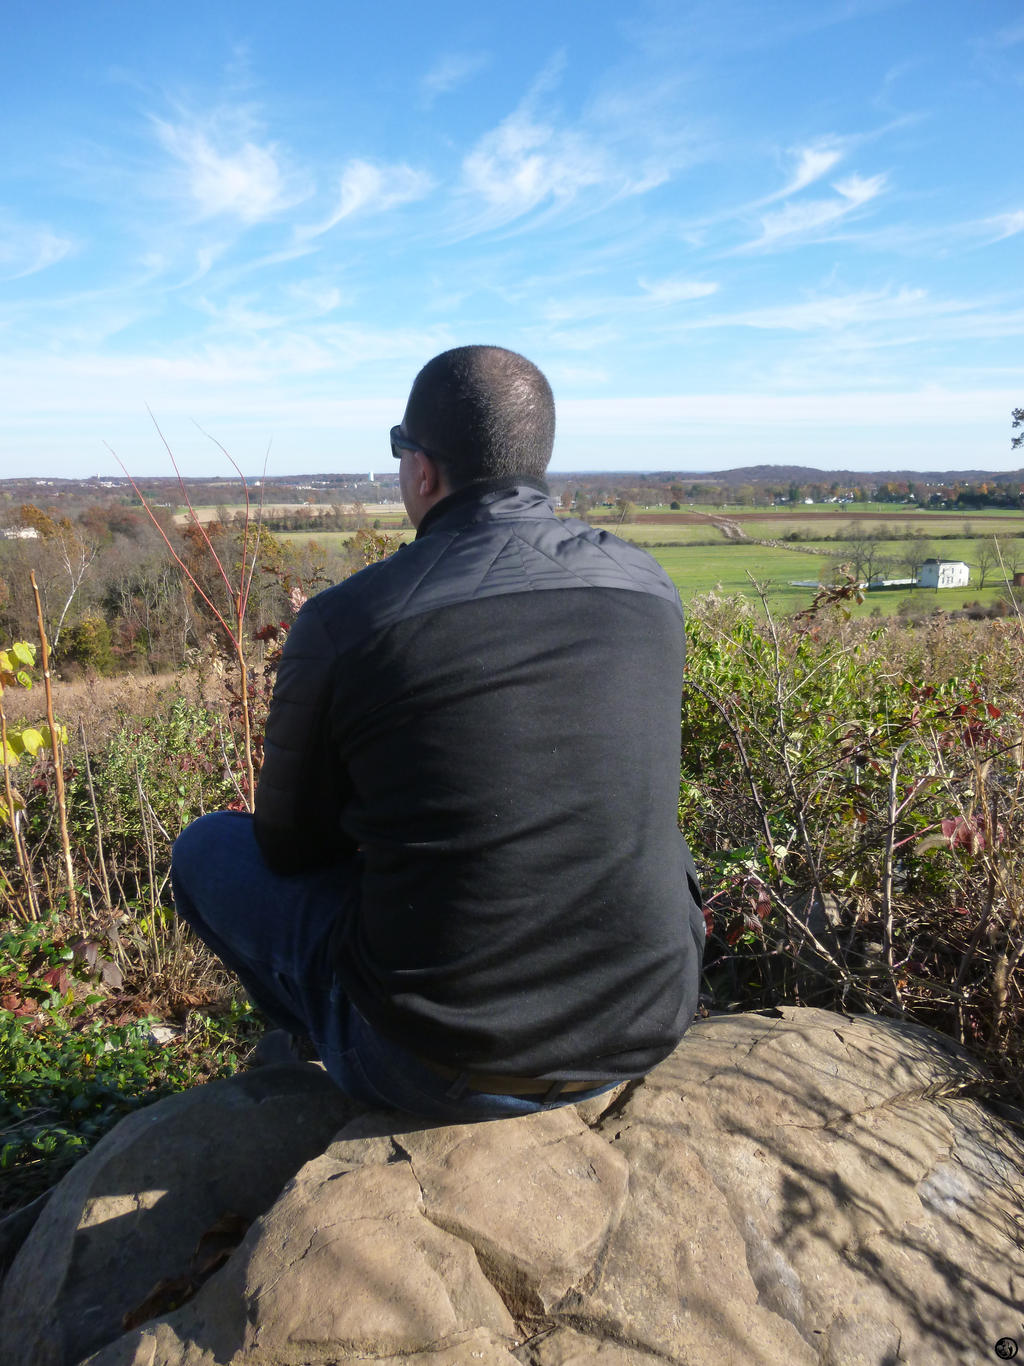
{"points": [[944, 574]]}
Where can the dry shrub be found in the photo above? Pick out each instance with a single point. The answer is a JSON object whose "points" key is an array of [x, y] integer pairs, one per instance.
{"points": [[855, 797]]}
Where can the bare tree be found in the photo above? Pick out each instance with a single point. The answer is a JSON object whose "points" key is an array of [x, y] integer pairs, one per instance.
{"points": [[864, 553], [917, 549], [60, 555], [986, 558]]}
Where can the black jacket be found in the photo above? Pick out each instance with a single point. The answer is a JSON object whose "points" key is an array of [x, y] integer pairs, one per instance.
{"points": [[492, 716]]}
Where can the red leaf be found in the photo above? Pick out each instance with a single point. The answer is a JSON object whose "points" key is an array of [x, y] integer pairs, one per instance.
{"points": [[56, 978], [964, 834], [994, 711], [19, 1005]]}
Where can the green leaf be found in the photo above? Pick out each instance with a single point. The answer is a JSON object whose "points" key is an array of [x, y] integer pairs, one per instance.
{"points": [[32, 740], [23, 652], [24, 679]]}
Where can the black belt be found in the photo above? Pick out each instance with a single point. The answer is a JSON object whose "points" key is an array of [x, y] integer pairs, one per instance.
{"points": [[498, 1084]]}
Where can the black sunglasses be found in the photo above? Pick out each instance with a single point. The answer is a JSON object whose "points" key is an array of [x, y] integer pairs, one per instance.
{"points": [[400, 442]]}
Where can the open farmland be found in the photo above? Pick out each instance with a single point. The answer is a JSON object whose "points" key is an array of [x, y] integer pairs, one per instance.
{"points": [[810, 523], [387, 514], [730, 568], [334, 540], [719, 550]]}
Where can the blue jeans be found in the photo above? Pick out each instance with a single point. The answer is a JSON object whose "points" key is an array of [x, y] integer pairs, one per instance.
{"points": [[274, 932]]}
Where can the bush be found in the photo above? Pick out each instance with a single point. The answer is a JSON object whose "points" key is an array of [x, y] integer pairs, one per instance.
{"points": [[89, 645], [856, 808], [74, 1061]]}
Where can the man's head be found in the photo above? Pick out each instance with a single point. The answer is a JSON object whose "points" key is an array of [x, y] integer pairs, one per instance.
{"points": [[480, 412]]}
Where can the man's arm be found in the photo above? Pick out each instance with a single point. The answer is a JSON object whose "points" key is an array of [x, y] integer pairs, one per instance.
{"points": [[302, 786]]}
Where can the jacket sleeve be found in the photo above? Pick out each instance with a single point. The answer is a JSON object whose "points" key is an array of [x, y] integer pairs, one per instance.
{"points": [[302, 786]]}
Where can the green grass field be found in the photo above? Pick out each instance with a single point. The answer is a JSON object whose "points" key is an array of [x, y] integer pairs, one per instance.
{"points": [[732, 567]]}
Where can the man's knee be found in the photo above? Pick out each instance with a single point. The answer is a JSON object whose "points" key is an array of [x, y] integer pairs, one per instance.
{"points": [[202, 849], [191, 847]]}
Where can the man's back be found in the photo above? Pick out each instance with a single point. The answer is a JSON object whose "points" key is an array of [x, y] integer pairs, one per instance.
{"points": [[492, 718]]}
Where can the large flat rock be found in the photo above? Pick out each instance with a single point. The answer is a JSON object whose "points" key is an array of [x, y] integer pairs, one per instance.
{"points": [[793, 1188]]}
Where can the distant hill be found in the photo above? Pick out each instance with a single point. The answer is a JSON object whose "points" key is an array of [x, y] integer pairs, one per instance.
{"points": [[805, 474]]}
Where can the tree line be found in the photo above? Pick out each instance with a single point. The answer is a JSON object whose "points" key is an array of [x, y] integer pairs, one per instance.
{"points": [[114, 598]]}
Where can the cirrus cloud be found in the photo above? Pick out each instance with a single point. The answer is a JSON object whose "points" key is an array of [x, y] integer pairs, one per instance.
{"points": [[368, 187], [26, 250], [222, 174], [813, 218]]}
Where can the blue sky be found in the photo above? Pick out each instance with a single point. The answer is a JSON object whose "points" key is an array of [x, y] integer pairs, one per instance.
{"points": [[730, 232]]}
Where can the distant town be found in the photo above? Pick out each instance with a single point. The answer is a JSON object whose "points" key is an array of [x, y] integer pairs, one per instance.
{"points": [[750, 486]]}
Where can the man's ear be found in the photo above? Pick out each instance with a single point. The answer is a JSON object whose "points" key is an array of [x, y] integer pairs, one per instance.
{"points": [[428, 476]]}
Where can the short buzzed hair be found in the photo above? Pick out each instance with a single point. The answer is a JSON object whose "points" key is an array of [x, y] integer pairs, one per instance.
{"points": [[483, 413]]}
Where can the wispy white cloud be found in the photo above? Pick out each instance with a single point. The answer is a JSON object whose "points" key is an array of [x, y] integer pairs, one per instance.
{"points": [[874, 319], [450, 72], [27, 249], [254, 265], [525, 161], [224, 172], [676, 291], [316, 298], [810, 219], [240, 316], [654, 294], [536, 160], [834, 311], [1005, 225], [368, 187], [939, 239], [811, 164], [584, 376], [243, 315]]}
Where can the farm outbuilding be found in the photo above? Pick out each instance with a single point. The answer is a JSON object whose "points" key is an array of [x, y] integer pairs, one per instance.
{"points": [[944, 574]]}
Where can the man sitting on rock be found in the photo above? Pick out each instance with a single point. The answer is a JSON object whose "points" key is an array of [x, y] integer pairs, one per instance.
{"points": [[464, 880]]}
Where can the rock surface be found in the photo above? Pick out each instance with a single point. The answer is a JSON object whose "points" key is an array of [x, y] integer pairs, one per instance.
{"points": [[792, 1188], [133, 1210]]}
